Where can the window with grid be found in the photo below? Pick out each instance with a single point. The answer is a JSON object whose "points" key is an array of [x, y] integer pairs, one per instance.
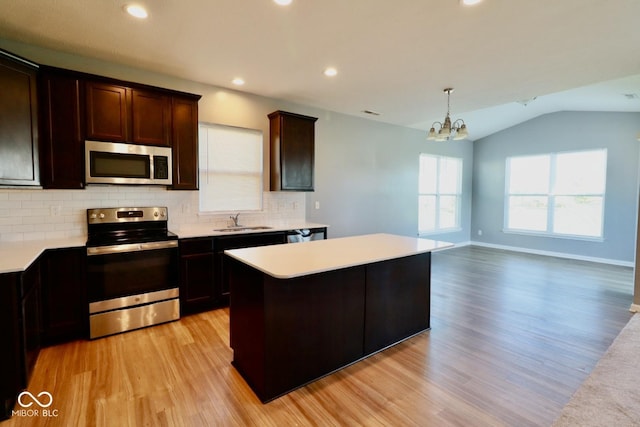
{"points": [[439, 193], [558, 194]]}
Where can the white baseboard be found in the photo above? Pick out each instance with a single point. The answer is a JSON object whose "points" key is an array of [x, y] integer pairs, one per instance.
{"points": [[554, 254]]}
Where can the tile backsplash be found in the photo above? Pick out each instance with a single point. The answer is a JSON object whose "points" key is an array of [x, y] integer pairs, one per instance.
{"points": [[35, 214]]}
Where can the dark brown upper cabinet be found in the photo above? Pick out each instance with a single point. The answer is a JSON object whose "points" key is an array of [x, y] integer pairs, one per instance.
{"points": [[47, 113], [185, 142], [292, 143], [61, 142], [123, 114], [107, 109], [151, 118], [19, 164]]}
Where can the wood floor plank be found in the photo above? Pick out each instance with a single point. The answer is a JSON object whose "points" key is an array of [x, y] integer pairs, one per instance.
{"points": [[513, 336]]}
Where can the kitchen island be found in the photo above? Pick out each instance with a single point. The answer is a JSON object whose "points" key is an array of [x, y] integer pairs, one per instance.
{"points": [[301, 311]]}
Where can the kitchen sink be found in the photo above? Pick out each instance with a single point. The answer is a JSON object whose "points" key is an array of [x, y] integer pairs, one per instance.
{"points": [[243, 228]]}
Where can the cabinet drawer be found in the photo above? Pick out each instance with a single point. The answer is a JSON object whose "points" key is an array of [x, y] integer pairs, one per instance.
{"points": [[248, 240], [196, 246]]}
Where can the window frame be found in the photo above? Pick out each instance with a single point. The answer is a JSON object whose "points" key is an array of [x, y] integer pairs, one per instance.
{"points": [[551, 195], [438, 195]]}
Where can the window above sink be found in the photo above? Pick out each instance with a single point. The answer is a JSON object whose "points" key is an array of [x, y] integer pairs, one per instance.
{"points": [[231, 164]]}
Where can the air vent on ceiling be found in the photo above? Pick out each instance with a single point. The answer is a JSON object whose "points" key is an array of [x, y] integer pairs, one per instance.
{"points": [[631, 96], [372, 113]]}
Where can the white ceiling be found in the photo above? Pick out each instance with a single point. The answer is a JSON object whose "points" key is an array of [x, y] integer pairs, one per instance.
{"points": [[393, 57]]}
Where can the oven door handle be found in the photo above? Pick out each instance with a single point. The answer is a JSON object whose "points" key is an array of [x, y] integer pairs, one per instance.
{"points": [[131, 247]]}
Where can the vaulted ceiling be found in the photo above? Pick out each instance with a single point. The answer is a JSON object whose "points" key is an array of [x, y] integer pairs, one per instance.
{"points": [[394, 58]]}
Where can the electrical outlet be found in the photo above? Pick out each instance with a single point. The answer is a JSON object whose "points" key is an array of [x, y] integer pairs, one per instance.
{"points": [[55, 210], [479, 232], [317, 204]]}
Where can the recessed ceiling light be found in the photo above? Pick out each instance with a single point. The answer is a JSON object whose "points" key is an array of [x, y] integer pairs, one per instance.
{"points": [[136, 10], [330, 72], [470, 2], [238, 81], [283, 2]]}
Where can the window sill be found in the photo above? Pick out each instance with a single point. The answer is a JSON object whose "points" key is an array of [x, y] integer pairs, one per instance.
{"points": [[422, 233], [554, 236]]}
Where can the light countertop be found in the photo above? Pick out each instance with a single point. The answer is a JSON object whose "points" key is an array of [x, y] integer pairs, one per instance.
{"points": [[301, 259], [210, 230], [18, 256]]}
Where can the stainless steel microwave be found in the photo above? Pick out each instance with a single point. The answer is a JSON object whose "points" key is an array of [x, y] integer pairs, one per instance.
{"points": [[118, 163]]}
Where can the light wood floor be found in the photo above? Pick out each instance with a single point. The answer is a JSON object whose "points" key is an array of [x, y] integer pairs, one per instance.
{"points": [[512, 338]]}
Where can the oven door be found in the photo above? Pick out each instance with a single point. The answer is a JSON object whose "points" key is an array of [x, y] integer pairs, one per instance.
{"points": [[131, 269]]}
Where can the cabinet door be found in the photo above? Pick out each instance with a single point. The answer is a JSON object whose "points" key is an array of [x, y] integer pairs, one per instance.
{"points": [[107, 112], [31, 318], [151, 113], [64, 301], [221, 244], [19, 163], [197, 281], [61, 143], [292, 151], [11, 357], [185, 143]]}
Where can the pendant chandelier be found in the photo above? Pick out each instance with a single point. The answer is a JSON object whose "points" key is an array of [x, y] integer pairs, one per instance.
{"points": [[456, 130]]}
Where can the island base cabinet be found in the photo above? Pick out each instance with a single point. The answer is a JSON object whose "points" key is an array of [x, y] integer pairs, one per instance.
{"points": [[286, 333], [313, 326], [397, 301]]}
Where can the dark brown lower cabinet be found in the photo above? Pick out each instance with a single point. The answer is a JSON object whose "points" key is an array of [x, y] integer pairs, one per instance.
{"points": [[286, 333], [224, 243], [31, 317], [197, 280], [11, 356], [64, 301], [44, 305], [204, 282]]}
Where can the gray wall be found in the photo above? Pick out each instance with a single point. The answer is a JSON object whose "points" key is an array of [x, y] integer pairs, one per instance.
{"points": [[367, 177], [565, 131]]}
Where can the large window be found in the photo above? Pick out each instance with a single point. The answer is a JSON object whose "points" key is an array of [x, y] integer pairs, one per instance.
{"points": [[440, 193], [557, 194], [230, 168]]}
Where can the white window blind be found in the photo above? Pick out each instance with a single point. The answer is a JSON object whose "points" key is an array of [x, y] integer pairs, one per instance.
{"points": [[230, 168]]}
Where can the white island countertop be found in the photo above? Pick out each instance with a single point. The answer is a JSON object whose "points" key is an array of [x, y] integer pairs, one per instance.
{"points": [[301, 259]]}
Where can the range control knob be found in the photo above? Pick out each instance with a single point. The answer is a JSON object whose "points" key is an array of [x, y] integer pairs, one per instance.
{"points": [[101, 215], [93, 216], [156, 214]]}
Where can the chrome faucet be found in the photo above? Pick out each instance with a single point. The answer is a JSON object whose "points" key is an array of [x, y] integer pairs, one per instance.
{"points": [[235, 220]]}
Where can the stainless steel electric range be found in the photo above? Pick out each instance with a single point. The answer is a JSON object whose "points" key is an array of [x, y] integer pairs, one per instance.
{"points": [[132, 269]]}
